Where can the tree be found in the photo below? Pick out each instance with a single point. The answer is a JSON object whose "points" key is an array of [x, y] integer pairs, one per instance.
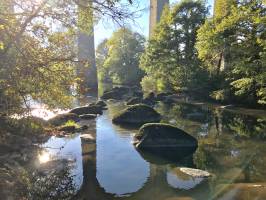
{"points": [[240, 38], [38, 49], [170, 56], [122, 61], [101, 56]]}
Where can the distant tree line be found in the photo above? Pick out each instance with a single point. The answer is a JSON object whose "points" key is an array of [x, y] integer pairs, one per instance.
{"points": [[118, 58], [222, 57], [219, 58]]}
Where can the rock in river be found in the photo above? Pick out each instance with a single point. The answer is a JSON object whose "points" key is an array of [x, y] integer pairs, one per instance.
{"points": [[165, 140], [88, 116], [63, 118], [195, 173], [134, 100], [91, 109], [101, 103], [137, 114], [116, 93]]}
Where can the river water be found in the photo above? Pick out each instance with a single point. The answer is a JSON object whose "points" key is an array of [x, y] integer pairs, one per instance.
{"points": [[232, 148]]}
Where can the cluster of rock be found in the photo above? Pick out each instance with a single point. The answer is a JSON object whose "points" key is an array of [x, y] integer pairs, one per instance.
{"points": [[75, 115], [135, 96], [157, 138]]}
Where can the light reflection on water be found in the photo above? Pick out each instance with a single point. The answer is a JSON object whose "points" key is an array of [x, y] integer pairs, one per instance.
{"points": [[44, 157]]}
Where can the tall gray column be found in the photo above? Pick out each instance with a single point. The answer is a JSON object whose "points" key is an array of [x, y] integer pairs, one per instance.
{"points": [[156, 9], [87, 70]]}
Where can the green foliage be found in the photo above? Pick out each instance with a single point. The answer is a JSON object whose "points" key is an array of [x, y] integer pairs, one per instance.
{"points": [[170, 57], [222, 7], [38, 48], [121, 63], [71, 123], [36, 61], [234, 48], [101, 56], [24, 126]]}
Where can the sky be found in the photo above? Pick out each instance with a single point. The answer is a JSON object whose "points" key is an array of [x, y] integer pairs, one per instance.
{"points": [[105, 29]]}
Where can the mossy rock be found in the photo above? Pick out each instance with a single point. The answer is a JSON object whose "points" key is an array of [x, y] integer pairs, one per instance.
{"points": [[165, 140], [88, 116], [68, 129], [137, 114], [150, 99], [91, 109], [112, 95], [134, 100], [138, 93], [63, 118], [101, 103], [115, 93]]}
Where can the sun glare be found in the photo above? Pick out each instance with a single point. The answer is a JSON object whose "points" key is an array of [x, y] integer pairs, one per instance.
{"points": [[44, 157]]}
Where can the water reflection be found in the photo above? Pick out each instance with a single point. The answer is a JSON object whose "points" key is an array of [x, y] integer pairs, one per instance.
{"points": [[107, 166], [44, 157], [180, 180], [120, 169]]}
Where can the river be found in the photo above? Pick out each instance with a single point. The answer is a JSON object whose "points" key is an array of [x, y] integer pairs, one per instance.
{"points": [[232, 148]]}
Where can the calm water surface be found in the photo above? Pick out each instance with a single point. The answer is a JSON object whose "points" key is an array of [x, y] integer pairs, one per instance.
{"points": [[231, 146]]}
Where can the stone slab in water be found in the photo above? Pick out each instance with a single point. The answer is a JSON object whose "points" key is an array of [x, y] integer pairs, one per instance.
{"points": [[195, 172]]}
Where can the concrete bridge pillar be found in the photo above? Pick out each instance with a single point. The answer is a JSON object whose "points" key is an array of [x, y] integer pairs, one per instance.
{"points": [[156, 9], [86, 69]]}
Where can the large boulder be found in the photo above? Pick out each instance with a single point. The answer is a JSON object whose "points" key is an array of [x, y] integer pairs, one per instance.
{"points": [[101, 103], [138, 93], [150, 99], [137, 114], [88, 116], [112, 95], [91, 109], [165, 140], [115, 93], [63, 118]]}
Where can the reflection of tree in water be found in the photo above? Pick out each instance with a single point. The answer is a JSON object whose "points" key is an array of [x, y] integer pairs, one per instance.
{"points": [[245, 126], [204, 160], [56, 185]]}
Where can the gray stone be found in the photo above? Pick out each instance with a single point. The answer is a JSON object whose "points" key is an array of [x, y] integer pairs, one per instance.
{"points": [[88, 116], [165, 140], [63, 118], [137, 114], [91, 109], [196, 173]]}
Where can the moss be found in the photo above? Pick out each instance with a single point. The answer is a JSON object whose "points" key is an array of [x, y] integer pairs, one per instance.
{"points": [[69, 126], [155, 125]]}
